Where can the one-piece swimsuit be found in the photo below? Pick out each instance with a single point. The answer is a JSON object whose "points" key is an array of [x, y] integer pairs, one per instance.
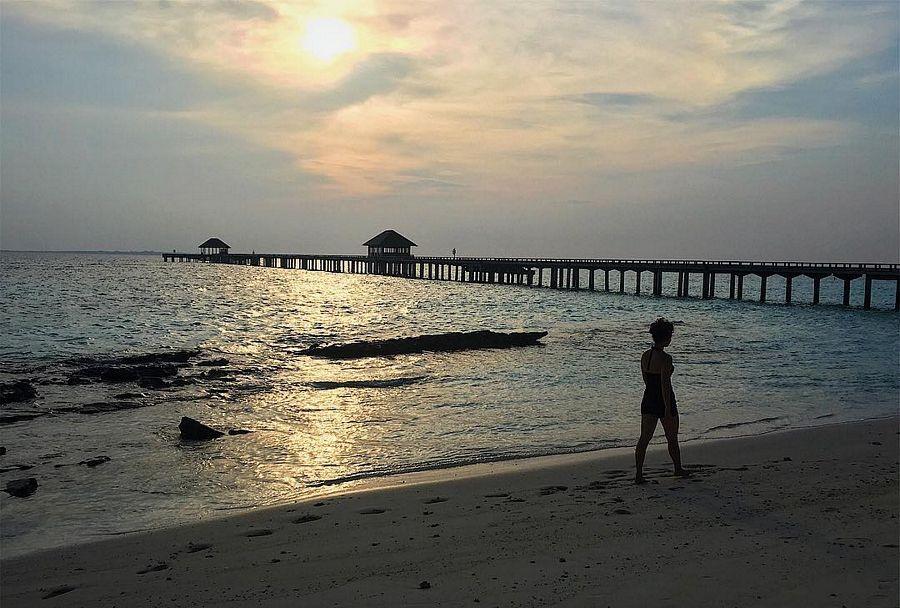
{"points": [[652, 404]]}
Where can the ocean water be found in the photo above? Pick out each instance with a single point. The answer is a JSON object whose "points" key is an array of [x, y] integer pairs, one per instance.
{"points": [[741, 368]]}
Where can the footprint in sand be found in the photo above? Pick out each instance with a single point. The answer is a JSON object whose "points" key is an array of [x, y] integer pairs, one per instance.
{"points": [[435, 500], [157, 568], [305, 519], [261, 532], [371, 511], [59, 591], [194, 547], [497, 495], [547, 490]]}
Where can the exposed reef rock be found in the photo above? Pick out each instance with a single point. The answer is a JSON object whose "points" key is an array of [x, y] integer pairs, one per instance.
{"points": [[22, 488], [111, 374], [175, 356], [13, 392], [453, 341], [195, 430], [20, 417], [388, 383], [213, 362]]}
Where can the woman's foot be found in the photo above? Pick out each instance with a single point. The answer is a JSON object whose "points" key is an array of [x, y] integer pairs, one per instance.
{"points": [[679, 472], [639, 480]]}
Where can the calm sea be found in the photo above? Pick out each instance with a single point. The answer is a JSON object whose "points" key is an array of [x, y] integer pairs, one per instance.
{"points": [[741, 368]]}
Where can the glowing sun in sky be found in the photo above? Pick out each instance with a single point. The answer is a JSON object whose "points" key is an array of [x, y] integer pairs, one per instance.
{"points": [[327, 38]]}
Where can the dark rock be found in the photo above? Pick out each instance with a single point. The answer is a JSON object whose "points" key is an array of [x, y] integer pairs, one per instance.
{"points": [[154, 383], [2, 451], [197, 431], [20, 390], [95, 462], [182, 381], [238, 431], [453, 341], [216, 373], [101, 407], [11, 418], [116, 373], [130, 395], [76, 379], [22, 487], [213, 362], [390, 383], [120, 374], [175, 356], [129, 374], [424, 585]]}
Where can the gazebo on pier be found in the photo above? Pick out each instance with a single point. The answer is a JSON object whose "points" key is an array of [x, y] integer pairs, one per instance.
{"points": [[214, 246], [389, 243]]}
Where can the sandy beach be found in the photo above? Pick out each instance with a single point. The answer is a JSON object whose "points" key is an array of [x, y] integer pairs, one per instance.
{"points": [[803, 517]]}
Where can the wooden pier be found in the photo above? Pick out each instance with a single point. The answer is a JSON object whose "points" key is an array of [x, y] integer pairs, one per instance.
{"points": [[575, 274]]}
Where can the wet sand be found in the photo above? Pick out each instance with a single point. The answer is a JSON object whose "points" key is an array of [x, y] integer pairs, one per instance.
{"points": [[806, 517]]}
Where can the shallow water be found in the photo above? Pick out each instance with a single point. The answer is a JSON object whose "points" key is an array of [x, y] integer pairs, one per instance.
{"points": [[741, 368]]}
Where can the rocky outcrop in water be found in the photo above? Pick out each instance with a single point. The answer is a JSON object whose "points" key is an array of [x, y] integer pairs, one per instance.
{"points": [[174, 356], [453, 341], [19, 417], [117, 373], [194, 430], [148, 370], [22, 488], [387, 383], [13, 392], [213, 363]]}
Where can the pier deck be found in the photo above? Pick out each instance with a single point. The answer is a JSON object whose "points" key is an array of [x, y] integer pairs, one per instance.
{"points": [[569, 273]]}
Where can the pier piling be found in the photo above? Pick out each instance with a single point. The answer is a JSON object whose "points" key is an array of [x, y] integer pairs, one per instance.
{"points": [[567, 274]]}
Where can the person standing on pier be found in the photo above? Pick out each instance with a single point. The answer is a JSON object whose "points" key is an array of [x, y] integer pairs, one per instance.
{"points": [[454, 252], [659, 402]]}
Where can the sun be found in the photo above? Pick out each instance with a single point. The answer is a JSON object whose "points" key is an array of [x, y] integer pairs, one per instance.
{"points": [[327, 38]]}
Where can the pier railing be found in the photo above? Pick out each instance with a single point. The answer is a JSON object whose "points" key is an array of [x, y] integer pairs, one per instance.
{"points": [[566, 273]]}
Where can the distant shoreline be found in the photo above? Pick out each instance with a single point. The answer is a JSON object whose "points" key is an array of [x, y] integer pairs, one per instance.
{"points": [[93, 251]]}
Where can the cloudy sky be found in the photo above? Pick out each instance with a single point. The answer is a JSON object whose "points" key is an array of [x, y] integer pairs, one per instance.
{"points": [[604, 129]]}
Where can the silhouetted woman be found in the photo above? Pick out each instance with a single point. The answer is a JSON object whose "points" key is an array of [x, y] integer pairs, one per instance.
{"points": [[658, 403]]}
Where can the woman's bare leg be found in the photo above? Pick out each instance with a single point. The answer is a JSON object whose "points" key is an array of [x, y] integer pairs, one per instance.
{"points": [[670, 426], [648, 426]]}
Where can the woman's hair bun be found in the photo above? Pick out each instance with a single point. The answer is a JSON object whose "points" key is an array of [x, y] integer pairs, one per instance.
{"points": [[661, 329]]}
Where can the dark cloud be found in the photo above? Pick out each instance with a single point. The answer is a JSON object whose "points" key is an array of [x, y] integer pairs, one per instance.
{"points": [[376, 75]]}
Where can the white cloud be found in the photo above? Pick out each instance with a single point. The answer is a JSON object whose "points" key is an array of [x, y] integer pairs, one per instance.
{"points": [[488, 92]]}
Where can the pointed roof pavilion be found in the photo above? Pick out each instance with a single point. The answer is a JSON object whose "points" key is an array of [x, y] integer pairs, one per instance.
{"points": [[389, 242], [213, 246]]}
